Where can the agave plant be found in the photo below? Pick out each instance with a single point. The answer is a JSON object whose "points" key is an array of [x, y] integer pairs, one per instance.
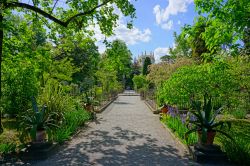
{"points": [[36, 120], [205, 120]]}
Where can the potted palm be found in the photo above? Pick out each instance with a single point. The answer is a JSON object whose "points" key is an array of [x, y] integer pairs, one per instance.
{"points": [[204, 121], [89, 103], [35, 123], [164, 109]]}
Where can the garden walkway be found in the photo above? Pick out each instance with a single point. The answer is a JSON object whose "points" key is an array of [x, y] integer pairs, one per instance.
{"points": [[126, 133]]}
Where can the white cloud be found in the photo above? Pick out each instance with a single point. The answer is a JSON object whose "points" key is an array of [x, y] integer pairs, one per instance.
{"points": [[168, 25], [159, 52], [129, 36], [132, 36], [174, 7]]}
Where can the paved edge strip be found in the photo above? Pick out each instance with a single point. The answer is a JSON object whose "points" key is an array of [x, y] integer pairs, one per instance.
{"points": [[151, 108], [106, 105], [177, 139]]}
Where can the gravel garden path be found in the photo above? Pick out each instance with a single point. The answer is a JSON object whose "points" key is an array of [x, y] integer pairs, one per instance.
{"points": [[126, 133]]}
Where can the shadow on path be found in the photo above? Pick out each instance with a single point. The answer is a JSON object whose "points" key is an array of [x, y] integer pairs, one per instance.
{"points": [[116, 148]]}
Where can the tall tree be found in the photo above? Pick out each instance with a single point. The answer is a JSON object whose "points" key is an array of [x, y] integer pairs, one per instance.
{"points": [[145, 68], [195, 38], [230, 21], [78, 14], [120, 59], [84, 54], [182, 47]]}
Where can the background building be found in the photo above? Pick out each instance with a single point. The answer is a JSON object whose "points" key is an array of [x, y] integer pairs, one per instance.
{"points": [[142, 57]]}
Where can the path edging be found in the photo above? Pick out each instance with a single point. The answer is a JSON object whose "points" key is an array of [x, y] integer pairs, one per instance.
{"points": [[106, 105], [152, 109], [177, 139]]}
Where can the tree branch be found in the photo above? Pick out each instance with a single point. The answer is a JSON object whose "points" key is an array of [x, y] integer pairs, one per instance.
{"points": [[87, 12], [54, 7], [50, 16]]}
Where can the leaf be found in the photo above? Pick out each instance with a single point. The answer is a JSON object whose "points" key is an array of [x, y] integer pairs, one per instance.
{"points": [[224, 133], [190, 131], [34, 104]]}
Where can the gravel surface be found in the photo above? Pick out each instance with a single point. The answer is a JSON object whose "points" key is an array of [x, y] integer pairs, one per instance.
{"points": [[126, 133]]}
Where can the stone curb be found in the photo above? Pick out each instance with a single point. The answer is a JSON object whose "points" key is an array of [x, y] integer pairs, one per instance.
{"points": [[106, 105], [80, 129], [177, 139], [152, 109]]}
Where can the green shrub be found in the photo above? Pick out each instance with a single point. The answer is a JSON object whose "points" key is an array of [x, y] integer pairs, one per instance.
{"points": [[238, 150], [56, 99], [179, 128], [7, 148], [20, 84], [191, 82], [140, 82], [239, 114], [72, 121]]}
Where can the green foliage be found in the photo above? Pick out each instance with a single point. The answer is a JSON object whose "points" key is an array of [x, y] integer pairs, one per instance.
{"points": [[239, 113], [120, 58], [193, 35], [140, 82], [196, 80], [160, 72], [21, 83], [7, 148], [107, 76], [176, 125], [73, 119], [114, 67], [36, 120], [57, 101], [205, 118], [30, 61], [182, 47], [105, 16], [238, 150], [84, 56], [229, 21], [146, 64]]}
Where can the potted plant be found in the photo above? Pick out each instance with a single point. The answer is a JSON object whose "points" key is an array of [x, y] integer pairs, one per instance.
{"points": [[89, 103], [164, 109], [36, 123], [204, 121]]}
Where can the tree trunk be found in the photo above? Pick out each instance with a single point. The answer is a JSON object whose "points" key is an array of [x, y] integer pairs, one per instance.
{"points": [[1, 55], [246, 40]]}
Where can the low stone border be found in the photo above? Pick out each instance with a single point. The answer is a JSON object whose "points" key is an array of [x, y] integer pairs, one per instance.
{"points": [[177, 139], [106, 105], [151, 108]]}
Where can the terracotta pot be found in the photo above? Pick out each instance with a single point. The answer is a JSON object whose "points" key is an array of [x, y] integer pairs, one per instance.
{"points": [[88, 107], [210, 137], [40, 136], [164, 109]]}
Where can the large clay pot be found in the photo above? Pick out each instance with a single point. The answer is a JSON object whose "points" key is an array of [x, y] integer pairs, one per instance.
{"points": [[40, 136], [89, 107], [210, 137], [164, 109]]}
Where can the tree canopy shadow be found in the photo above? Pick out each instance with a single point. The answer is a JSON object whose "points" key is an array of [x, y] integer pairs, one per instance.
{"points": [[116, 147]]}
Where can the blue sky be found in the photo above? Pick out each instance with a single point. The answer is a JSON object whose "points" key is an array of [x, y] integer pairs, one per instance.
{"points": [[161, 18], [161, 37], [154, 27]]}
